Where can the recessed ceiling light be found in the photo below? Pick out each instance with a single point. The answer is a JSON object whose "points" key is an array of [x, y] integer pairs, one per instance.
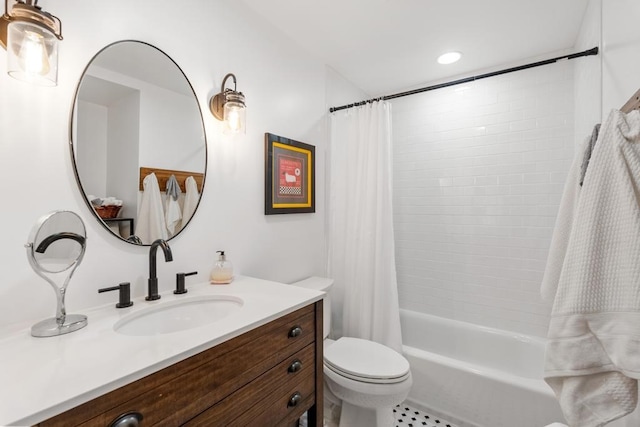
{"points": [[449, 57]]}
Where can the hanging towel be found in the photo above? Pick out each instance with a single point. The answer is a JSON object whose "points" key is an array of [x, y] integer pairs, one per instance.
{"points": [[587, 152], [173, 187], [592, 358], [151, 222], [172, 213], [191, 199], [564, 223]]}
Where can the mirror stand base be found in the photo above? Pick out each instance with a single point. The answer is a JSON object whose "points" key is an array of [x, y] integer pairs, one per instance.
{"points": [[51, 327]]}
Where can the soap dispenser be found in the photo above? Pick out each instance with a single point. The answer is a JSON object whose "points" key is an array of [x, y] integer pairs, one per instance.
{"points": [[222, 272]]}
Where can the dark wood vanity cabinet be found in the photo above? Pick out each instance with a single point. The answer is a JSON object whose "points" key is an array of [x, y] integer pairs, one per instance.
{"points": [[268, 376]]}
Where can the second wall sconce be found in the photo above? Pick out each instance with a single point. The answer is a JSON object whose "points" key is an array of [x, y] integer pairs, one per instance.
{"points": [[229, 106], [31, 37]]}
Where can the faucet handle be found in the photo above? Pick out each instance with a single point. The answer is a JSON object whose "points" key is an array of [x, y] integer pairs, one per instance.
{"points": [[124, 295], [180, 287]]}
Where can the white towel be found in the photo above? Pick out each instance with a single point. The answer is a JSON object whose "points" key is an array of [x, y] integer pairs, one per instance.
{"points": [[172, 212], [592, 359], [151, 222], [191, 200], [564, 223]]}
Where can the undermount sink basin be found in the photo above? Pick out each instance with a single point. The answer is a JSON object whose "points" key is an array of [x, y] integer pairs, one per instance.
{"points": [[176, 316]]}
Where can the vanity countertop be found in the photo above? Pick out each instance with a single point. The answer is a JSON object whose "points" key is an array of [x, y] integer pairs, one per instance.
{"points": [[42, 377]]}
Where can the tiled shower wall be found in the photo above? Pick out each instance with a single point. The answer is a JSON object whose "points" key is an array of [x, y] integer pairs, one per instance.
{"points": [[479, 171]]}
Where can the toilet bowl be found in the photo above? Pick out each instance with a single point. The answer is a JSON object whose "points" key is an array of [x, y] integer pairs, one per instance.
{"points": [[365, 378]]}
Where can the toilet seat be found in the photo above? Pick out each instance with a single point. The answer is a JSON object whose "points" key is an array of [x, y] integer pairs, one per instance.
{"points": [[366, 361]]}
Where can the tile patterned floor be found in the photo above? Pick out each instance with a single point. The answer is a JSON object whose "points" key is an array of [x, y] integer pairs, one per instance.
{"points": [[407, 416]]}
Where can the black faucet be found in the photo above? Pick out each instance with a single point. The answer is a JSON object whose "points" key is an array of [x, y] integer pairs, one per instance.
{"points": [[153, 280]]}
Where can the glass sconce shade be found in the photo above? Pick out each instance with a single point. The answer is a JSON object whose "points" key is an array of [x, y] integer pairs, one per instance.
{"points": [[32, 53], [234, 113], [229, 106]]}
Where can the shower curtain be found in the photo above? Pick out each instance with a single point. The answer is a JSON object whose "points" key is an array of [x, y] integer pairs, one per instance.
{"points": [[361, 256]]}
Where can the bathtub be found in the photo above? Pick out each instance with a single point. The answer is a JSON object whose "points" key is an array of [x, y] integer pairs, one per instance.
{"points": [[476, 376]]}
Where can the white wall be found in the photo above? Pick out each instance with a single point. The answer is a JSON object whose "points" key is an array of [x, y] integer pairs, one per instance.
{"points": [[341, 91], [588, 74], [123, 152], [286, 95], [620, 60], [92, 128], [176, 142], [478, 174]]}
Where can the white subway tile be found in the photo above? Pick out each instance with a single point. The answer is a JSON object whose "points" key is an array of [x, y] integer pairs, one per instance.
{"points": [[525, 167], [463, 181], [486, 180], [478, 176], [558, 177], [522, 125], [497, 129], [536, 199], [510, 179], [535, 178]]}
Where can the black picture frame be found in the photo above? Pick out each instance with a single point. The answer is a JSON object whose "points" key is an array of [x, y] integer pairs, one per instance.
{"points": [[289, 176]]}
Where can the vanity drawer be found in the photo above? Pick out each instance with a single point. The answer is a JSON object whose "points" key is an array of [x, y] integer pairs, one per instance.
{"points": [[174, 402], [177, 393], [285, 391]]}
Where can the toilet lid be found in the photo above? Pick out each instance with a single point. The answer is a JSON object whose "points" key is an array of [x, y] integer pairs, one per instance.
{"points": [[367, 360]]}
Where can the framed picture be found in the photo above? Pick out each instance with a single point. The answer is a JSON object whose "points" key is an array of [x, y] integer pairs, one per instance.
{"points": [[289, 176]]}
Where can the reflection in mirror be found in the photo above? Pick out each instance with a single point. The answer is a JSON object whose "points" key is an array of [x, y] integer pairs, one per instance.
{"points": [[135, 114], [55, 249]]}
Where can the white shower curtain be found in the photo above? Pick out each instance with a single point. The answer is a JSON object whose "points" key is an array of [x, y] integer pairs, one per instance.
{"points": [[361, 248]]}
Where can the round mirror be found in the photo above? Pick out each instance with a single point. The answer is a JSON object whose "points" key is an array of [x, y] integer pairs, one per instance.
{"points": [[58, 241], [138, 143]]}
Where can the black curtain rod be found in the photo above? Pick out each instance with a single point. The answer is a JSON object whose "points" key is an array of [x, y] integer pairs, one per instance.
{"points": [[588, 52]]}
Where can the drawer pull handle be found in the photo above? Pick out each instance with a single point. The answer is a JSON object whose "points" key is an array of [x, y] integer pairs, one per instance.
{"points": [[294, 399], [130, 419], [296, 331], [295, 366]]}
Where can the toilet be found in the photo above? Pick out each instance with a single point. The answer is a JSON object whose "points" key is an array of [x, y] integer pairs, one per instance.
{"points": [[365, 378]]}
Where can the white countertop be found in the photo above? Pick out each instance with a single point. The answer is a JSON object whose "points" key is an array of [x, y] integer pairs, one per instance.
{"points": [[43, 377]]}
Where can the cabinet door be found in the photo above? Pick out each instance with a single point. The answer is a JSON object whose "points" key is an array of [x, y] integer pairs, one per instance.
{"points": [[180, 392], [286, 390], [175, 402]]}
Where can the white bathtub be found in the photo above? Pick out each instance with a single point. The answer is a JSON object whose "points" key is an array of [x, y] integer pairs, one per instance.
{"points": [[476, 376]]}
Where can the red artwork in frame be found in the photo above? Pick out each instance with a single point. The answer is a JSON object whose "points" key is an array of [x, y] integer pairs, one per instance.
{"points": [[289, 176]]}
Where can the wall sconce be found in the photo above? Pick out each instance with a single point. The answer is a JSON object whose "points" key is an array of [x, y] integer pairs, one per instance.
{"points": [[30, 36], [229, 107]]}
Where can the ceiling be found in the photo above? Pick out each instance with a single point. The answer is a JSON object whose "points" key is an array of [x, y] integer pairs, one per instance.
{"points": [[387, 46]]}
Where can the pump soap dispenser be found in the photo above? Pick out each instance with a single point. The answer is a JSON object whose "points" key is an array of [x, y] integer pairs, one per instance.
{"points": [[222, 272]]}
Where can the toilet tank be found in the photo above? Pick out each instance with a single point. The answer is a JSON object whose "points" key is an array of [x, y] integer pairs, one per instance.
{"points": [[320, 284]]}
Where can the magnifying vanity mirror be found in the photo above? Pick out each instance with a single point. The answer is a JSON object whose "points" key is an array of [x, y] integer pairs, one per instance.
{"points": [[55, 249], [138, 143]]}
